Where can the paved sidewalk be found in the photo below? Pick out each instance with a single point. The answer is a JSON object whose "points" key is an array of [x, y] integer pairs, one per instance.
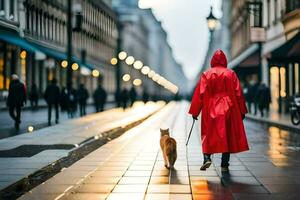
{"points": [[131, 167], [276, 119], [72, 133], [37, 118]]}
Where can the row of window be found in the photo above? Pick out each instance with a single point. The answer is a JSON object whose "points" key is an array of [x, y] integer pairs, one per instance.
{"points": [[7, 9], [97, 37]]}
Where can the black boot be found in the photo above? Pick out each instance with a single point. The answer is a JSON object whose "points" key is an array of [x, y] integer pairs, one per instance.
{"points": [[206, 163]]}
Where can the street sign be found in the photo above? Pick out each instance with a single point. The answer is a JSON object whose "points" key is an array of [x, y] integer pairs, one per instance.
{"points": [[257, 34]]}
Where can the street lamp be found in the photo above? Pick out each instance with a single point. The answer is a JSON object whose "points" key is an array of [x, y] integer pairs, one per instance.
{"points": [[212, 22]]}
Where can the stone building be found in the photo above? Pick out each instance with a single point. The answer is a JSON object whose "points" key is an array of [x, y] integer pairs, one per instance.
{"points": [[144, 38], [33, 42]]}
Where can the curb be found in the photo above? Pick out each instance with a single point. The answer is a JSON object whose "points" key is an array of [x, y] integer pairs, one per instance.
{"points": [[27, 183], [274, 123]]}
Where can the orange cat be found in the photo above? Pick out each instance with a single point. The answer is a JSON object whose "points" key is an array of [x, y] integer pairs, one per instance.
{"points": [[168, 147]]}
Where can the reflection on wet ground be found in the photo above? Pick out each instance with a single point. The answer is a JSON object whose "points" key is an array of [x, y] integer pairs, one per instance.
{"points": [[132, 167]]}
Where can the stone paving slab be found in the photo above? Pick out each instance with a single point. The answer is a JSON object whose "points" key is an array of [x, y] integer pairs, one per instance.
{"points": [[131, 167], [13, 169]]}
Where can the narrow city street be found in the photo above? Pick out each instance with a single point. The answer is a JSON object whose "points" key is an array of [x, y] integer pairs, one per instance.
{"points": [[131, 166]]}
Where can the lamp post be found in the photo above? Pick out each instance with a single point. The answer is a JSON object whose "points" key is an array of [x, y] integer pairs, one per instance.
{"points": [[212, 22], [76, 26]]}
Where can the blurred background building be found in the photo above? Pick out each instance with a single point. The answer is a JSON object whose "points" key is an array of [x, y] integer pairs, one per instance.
{"points": [[33, 43], [144, 38]]}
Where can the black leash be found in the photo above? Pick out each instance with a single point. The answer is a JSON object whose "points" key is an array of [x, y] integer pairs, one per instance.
{"points": [[190, 132]]}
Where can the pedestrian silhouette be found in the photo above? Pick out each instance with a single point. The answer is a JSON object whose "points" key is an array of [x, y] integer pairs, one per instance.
{"points": [[33, 96], [220, 98], [64, 99], [100, 97], [263, 99], [83, 96], [124, 97], [132, 95], [52, 97], [145, 95], [16, 99], [72, 102]]}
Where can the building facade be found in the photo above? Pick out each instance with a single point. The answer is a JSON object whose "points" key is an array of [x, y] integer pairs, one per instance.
{"points": [[33, 42], [144, 38], [275, 59]]}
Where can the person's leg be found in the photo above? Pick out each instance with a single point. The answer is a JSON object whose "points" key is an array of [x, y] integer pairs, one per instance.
{"points": [[225, 160], [261, 110], [80, 109], [49, 114], [249, 106], [255, 108], [18, 117], [11, 113], [84, 108], [56, 113], [267, 110]]}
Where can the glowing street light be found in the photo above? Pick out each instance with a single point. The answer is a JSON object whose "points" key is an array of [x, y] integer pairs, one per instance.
{"points": [[137, 82], [64, 64], [23, 54], [122, 55], [126, 77], [75, 66], [151, 74], [129, 60], [138, 64], [114, 61], [155, 77], [95, 73], [145, 70], [30, 129]]}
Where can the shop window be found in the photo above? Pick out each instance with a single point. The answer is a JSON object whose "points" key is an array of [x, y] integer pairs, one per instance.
{"points": [[283, 82], [274, 86], [297, 82], [2, 81], [275, 10], [11, 9], [23, 56], [2, 6]]}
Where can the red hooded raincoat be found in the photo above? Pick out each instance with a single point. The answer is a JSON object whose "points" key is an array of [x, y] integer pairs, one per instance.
{"points": [[219, 96]]}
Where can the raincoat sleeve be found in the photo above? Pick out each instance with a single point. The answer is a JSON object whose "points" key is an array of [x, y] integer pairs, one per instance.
{"points": [[197, 100], [239, 95]]}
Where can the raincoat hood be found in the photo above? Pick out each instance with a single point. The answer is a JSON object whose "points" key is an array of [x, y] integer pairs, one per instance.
{"points": [[219, 59]]}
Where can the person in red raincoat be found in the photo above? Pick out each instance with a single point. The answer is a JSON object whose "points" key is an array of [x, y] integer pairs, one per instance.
{"points": [[220, 98]]}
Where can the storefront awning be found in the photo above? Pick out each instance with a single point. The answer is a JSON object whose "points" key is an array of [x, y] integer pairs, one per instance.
{"points": [[289, 50], [59, 55], [56, 54], [15, 39], [244, 56]]}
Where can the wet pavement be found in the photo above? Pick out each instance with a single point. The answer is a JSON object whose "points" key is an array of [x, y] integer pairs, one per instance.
{"points": [[37, 118], [24, 155], [131, 166]]}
